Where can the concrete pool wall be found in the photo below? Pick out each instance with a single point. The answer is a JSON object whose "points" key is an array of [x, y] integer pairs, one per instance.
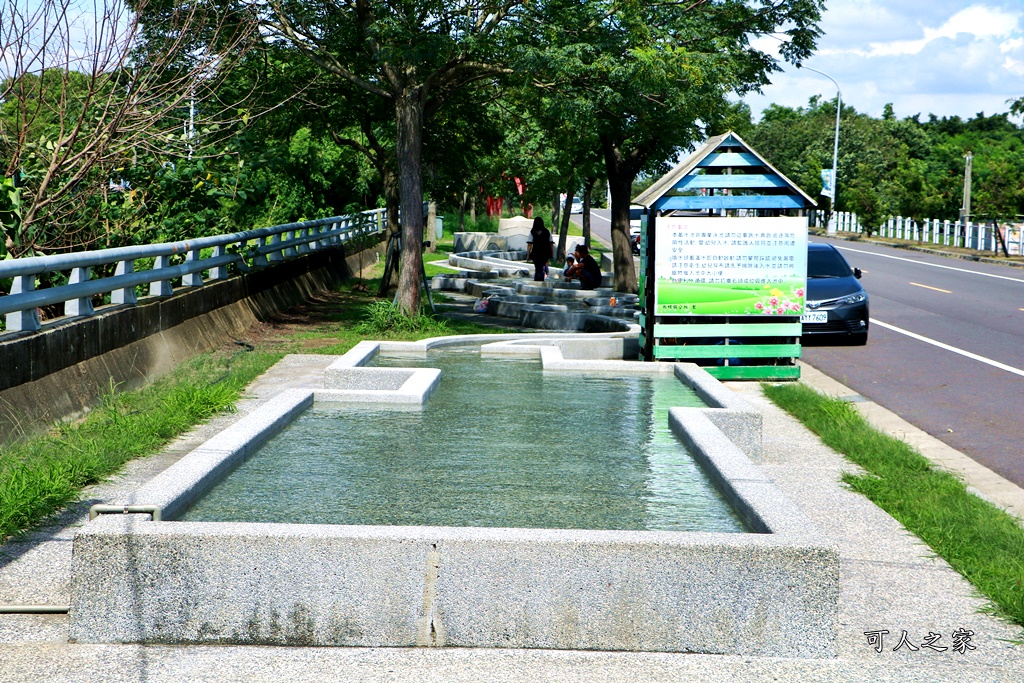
{"points": [[773, 592]]}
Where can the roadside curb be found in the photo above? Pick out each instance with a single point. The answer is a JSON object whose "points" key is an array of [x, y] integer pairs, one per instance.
{"points": [[979, 480]]}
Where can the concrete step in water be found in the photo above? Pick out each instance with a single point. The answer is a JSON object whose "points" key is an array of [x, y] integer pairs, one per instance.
{"points": [[539, 318], [457, 281], [490, 254], [504, 308], [615, 312], [620, 299], [510, 270], [560, 292]]}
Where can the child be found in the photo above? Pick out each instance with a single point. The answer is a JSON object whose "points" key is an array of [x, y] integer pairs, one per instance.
{"points": [[568, 268]]}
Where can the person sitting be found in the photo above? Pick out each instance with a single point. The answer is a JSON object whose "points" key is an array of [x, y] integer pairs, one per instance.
{"points": [[569, 260], [585, 268]]}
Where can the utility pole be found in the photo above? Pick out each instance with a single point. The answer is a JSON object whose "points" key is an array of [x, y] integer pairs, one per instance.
{"points": [[965, 211], [831, 229]]}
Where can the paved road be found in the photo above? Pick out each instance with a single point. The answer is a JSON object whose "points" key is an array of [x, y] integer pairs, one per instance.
{"points": [[946, 350], [600, 224]]}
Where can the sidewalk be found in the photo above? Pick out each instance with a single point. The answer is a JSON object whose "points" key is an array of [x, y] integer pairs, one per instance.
{"points": [[889, 582]]}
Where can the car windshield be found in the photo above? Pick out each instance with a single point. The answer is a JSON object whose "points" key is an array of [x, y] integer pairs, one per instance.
{"points": [[826, 263]]}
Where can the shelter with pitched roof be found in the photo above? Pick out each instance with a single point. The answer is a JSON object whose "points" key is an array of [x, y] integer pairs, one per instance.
{"points": [[723, 263]]}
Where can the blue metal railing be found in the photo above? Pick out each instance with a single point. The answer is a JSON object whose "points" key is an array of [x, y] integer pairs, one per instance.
{"points": [[242, 251]]}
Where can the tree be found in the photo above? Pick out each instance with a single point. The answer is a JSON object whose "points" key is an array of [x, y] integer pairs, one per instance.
{"points": [[653, 77], [415, 55], [81, 98]]}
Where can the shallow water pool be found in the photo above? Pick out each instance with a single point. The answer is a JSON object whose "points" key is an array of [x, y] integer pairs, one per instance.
{"points": [[500, 443]]}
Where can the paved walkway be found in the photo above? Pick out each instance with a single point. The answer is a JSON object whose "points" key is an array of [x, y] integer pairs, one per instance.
{"points": [[889, 582]]}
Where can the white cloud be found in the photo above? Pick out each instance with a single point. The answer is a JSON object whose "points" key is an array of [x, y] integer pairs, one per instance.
{"points": [[1014, 66], [978, 20], [947, 57]]}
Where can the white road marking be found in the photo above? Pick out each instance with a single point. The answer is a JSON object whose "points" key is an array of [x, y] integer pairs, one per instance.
{"points": [[933, 265], [947, 347]]}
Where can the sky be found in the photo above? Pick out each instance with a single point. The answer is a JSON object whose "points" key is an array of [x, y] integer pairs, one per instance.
{"points": [[942, 57]]}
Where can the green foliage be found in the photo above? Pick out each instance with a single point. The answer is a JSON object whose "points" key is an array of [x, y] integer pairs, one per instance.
{"points": [[983, 543], [10, 214], [384, 320], [898, 167], [39, 476]]}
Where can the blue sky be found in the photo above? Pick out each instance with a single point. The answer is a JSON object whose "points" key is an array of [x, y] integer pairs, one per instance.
{"points": [[946, 57]]}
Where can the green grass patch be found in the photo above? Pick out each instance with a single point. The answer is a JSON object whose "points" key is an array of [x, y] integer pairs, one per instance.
{"points": [[980, 541], [41, 475]]}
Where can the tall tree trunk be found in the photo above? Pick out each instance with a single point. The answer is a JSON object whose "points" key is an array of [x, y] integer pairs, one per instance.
{"points": [[392, 201], [432, 227], [622, 172], [554, 212], [462, 211], [563, 230], [588, 189], [472, 209], [409, 121]]}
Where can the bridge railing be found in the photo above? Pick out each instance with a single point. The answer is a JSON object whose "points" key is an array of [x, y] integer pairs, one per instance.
{"points": [[194, 261]]}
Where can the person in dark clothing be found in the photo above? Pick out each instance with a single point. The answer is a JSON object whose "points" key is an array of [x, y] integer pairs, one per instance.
{"points": [[539, 248], [585, 269]]}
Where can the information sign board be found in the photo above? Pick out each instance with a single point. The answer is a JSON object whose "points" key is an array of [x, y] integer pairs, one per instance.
{"points": [[730, 266]]}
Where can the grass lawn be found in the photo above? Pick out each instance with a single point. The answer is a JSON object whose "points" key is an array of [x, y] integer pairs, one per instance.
{"points": [[982, 542]]}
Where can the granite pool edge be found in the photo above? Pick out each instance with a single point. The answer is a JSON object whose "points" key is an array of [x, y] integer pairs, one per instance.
{"points": [[768, 593]]}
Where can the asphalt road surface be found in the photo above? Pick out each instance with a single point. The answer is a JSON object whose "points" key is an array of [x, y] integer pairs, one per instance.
{"points": [[945, 350], [600, 224]]}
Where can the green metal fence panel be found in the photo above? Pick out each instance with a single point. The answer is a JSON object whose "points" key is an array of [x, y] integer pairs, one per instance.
{"points": [[731, 330], [722, 351], [758, 372]]}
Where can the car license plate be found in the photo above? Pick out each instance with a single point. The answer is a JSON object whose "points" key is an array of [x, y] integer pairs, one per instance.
{"points": [[815, 317]]}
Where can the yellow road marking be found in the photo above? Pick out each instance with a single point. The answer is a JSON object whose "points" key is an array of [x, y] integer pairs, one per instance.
{"points": [[944, 291]]}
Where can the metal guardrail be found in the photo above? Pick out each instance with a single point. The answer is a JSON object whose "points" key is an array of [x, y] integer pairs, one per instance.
{"points": [[242, 251]]}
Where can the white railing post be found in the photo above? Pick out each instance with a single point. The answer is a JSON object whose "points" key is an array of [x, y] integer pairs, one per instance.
{"points": [[274, 241], [161, 287], [125, 295], [290, 252], [219, 272], [260, 259], [194, 279], [81, 305], [27, 320]]}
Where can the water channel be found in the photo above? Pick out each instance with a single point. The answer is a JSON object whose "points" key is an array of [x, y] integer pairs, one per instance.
{"points": [[500, 443]]}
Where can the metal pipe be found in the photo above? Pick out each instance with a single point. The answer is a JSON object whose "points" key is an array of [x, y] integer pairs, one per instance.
{"points": [[33, 265], [100, 509], [34, 609]]}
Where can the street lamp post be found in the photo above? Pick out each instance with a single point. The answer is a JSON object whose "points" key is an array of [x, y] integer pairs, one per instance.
{"points": [[835, 148]]}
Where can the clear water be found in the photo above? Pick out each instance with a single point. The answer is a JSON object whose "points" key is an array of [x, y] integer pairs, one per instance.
{"points": [[499, 444]]}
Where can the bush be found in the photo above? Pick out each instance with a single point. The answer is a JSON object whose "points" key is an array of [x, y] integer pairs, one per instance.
{"points": [[385, 320]]}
